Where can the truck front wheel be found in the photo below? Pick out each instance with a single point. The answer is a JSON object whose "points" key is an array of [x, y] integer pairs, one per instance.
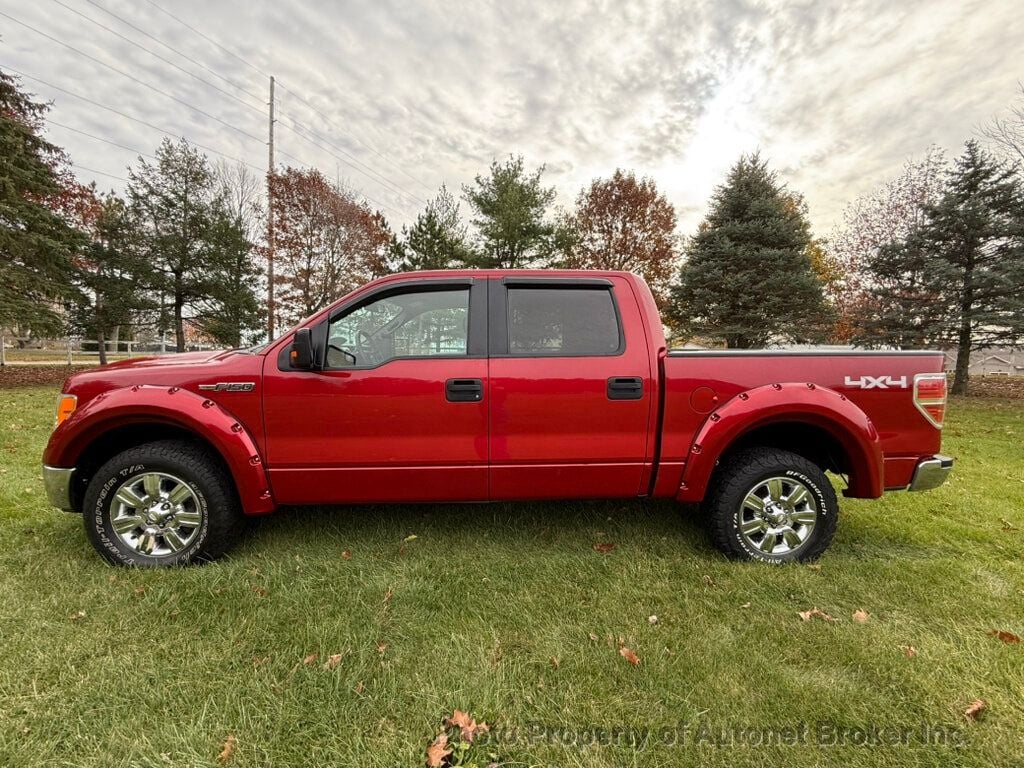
{"points": [[771, 505], [160, 504]]}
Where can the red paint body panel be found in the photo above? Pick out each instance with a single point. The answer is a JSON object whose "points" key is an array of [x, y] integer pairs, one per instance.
{"points": [[148, 404], [555, 433], [544, 428], [385, 434]]}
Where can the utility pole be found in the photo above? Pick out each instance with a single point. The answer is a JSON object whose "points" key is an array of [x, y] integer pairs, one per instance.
{"points": [[270, 220]]}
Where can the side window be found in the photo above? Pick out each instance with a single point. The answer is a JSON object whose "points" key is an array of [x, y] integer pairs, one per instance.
{"points": [[562, 321], [414, 324]]}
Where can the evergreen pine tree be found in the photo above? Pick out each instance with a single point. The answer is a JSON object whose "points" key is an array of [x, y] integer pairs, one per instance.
{"points": [[511, 207], [112, 276], [37, 244], [437, 239], [747, 277], [974, 237]]}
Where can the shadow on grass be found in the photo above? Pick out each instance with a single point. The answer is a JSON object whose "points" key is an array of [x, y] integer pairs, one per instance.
{"points": [[517, 524]]}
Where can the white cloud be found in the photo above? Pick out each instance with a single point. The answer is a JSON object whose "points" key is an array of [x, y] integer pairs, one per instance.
{"points": [[834, 95]]}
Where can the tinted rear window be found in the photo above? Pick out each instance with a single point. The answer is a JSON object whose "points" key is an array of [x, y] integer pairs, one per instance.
{"points": [[562, 321]]}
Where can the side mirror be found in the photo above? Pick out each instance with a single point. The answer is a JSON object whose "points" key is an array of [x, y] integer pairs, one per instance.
{"points": [[301, 354]]}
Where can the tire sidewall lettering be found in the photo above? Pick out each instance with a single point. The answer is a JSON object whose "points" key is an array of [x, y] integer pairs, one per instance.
{"points": [[102, 511], [823, 512]]}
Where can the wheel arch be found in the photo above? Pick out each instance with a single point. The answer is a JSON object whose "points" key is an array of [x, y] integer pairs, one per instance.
{"points": [[124, 418], [817, 423]]}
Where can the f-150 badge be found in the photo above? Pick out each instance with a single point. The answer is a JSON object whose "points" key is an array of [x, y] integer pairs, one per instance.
{"points": [[876, 382], [229, 386]]}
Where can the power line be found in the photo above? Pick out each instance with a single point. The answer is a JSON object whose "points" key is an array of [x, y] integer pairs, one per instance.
{"points": [[133, 78], [100, 138], [355, 138], [101, 173], [352, 162], [118, 112], [378, 203], [161, 58], [171, 48], [255, 68], [207, 38]]}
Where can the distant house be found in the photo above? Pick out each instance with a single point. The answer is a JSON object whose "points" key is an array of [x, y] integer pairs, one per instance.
{"points": [[997, 361]]}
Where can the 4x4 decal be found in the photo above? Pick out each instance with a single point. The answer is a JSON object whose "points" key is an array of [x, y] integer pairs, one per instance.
{"points": [[876, 382]]}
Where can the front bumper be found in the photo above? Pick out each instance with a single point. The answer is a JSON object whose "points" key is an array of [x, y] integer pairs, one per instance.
{"points": [[57, 481], [931, 473]]}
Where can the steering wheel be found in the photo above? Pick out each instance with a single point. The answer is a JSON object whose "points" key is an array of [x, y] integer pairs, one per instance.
{"points": [[364, 343], [345, 352]]}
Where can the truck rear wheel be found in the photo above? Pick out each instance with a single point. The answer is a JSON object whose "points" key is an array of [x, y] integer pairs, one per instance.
{"points": [[161, 504], [771, 505]]}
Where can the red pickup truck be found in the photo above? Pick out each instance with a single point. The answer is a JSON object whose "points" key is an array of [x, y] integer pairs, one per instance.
{"points": [[482, 386]]}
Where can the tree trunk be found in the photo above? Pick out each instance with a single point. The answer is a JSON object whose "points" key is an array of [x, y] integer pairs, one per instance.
{"points": [[101, 342], [963, 358], [179, 325], [963, 349]]}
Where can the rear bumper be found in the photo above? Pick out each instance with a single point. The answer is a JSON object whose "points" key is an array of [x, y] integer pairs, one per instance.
{"points": [[931, 473], [57, 481]]}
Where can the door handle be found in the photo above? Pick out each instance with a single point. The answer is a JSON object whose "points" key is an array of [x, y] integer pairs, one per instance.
{"points": [[464, 390], [625, 388]]}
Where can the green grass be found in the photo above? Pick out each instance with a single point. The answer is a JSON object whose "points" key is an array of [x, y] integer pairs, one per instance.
{"points": [[110, 667]]}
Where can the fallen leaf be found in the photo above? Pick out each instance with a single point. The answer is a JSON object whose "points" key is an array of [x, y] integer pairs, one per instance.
{"points": [[814, 567], [861, 616], [139, 591], [382, 648], [745, 605], [333, 660], [346, 555], [909, 650], [604, 547], [629, 656], [260, 591], [652, 620], [815, 613], [1001, 634], [709, 582], [227, 750], [438, 751], [410, 537], [311, 659], [77, 616], [468, 727], [974, 709]]}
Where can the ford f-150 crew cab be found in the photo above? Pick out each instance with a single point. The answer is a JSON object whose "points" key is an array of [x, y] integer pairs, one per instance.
{"points": [[482, 386]]}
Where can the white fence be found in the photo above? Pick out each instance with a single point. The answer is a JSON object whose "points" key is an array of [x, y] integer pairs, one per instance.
{"points": [[75, 351]]}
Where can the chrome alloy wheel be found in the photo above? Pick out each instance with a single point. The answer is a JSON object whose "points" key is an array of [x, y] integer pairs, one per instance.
{"points": [[777, 516], [156, 514]]}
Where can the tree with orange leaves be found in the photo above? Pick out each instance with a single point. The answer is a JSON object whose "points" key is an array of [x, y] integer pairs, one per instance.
{"points": [[625, 223]]}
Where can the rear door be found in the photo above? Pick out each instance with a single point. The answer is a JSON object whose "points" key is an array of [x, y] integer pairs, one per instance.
{"points": [[570, 392]]}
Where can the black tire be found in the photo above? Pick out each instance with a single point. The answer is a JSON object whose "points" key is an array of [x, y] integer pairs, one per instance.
{"points": [[213, 503], [743, 474]]}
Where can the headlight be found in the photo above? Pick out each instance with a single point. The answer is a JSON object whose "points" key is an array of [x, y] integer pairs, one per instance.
{"points": [[65, 407]]}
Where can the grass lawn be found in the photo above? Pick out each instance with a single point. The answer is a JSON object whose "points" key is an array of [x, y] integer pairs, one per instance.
{"points": [[508, 612]]}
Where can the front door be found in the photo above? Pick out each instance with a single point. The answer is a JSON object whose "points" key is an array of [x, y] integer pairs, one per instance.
{"points": [[398, 411], [570, 394]]}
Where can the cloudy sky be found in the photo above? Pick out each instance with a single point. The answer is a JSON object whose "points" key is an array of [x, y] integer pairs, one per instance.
{"points": [[398, 97]]}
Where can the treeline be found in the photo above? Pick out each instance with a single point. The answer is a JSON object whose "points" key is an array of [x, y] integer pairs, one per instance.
{"points": [[934, 258]]}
